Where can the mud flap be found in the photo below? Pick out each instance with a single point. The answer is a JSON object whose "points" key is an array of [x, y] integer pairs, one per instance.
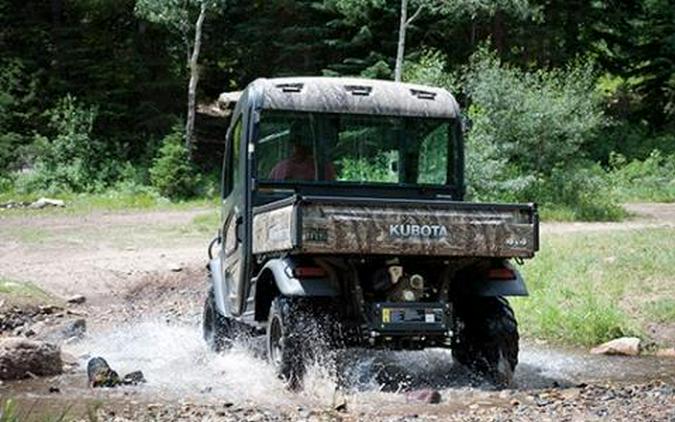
{"points": [[288, 285], [491, 288], [219, 290]]}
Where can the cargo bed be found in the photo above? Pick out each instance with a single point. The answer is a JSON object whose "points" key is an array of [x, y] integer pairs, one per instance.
{"points": [[339, 225]]}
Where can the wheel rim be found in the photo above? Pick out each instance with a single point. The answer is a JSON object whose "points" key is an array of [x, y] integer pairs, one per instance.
{"points": [[276, 342]]}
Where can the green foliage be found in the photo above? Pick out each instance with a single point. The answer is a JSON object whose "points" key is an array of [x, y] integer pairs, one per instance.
{"points": [[69, 161], [651, 179], [377, 169], [582, 188], [8, 412], [172, 173], [538, 120]]}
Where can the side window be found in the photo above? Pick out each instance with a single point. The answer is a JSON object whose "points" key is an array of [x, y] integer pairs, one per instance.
{"points": [[232, 171]]}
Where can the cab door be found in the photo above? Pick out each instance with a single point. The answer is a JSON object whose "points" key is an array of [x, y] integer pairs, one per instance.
{"points": [[233, 231]]}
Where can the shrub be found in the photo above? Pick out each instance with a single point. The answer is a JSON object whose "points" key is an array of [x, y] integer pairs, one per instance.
{"points": [[172, 172], [651, 179], [71, 161], [582, 188]]}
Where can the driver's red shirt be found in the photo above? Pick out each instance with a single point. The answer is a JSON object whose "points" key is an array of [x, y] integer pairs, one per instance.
{"points": [[296, 168]]}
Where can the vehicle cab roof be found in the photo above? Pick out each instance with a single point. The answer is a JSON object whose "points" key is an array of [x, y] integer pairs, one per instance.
{"points": [[353, 96]]}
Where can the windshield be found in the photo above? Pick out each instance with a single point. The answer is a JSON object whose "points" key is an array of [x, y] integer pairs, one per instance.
{"points": [[339, 148]]}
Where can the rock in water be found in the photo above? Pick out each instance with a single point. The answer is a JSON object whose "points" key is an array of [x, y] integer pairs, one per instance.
{"points": [[624, 346], [20, 357], [425, 396], [100, 374], [133, 378]]}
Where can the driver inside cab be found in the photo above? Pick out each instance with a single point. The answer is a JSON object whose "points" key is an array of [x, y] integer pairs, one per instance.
{"points": [[301, 165]]}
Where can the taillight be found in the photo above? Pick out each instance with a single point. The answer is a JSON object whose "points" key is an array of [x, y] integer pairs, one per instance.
{"points": [[309, 272], [501, 274]]}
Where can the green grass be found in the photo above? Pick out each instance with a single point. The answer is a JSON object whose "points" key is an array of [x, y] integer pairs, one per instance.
{"points": [[16, 289], [662, 310], [106, 201], [589, 288], [206, 223]]}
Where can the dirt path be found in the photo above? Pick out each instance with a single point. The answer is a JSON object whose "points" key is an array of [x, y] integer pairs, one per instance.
{"points": [[644, 216], [100, 253], [143, 314]]}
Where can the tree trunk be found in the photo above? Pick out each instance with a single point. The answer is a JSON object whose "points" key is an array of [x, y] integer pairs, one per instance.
{"points": [[194, 79], [401, 41]]}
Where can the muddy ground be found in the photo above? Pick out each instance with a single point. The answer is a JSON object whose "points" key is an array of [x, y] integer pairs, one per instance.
{"points": [[143, 276]]}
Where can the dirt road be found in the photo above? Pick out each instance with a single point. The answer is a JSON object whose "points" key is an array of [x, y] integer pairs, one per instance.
{"points": [[142, 273]]}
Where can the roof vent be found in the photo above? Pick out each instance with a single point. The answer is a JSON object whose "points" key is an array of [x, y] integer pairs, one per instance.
{"points": [[290, 87], [359, 90], [423, 95]]}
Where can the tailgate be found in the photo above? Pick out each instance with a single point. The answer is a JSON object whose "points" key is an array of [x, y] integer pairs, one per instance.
{"points": [[325, 225]]}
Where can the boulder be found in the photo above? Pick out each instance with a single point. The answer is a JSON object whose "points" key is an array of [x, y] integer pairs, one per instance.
{"points": [[100, 374], [624, 346], [21, 358]]}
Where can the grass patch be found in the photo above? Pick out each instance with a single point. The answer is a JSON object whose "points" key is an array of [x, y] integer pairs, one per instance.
{"points": [[662, 310], [17, 289], [111, 200], [206, 223], [589, 288]]}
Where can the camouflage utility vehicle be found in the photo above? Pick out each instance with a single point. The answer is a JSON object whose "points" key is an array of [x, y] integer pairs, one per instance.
{"points": [[343, 221]]}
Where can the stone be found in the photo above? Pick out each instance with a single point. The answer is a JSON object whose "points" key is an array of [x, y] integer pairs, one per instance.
{"points": [[624, 346], [76, 299], [47, 202], [133, 378], [22, 358], [61, 331], [176, 268], [426, 395], [666, 353], [100, 374]]}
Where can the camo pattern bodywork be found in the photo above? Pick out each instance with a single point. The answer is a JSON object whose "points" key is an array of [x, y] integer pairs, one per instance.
{"points": [[402, 230], [356, 96], [272, 230]]}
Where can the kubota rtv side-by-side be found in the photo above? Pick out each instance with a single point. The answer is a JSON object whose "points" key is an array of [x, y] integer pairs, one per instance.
{"points": [[343, 206]]}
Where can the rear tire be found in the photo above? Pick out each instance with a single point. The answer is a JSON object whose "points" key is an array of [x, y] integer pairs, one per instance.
{"points": [[285, 341], [486, 338], [298, 332], [217, 329]]}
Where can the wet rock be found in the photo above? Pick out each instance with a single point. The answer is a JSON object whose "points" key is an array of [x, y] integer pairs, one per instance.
{"points": [[339, 401], [425, 396], [61, 331], [100, 374], [666, 353], [47, 202], [133, 378], [22, 358], [624, 346], [76, 300]]}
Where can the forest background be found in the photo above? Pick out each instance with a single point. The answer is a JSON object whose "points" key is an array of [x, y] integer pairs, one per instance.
{"points": [[572, 102]]}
